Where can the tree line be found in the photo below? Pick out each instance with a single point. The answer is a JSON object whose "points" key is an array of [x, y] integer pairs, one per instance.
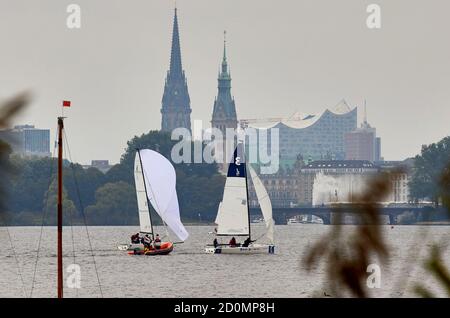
{"points": [[109, 199], [430, 176], [105, 198]]}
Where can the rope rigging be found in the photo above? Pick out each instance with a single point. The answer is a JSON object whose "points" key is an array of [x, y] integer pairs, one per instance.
{"points": [[71, 218], [44, 215], [19, 272], [82, 212], [71, 229]]}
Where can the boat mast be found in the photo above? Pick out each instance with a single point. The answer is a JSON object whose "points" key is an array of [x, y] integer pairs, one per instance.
{"points": [[60, 193], [146, 194], [248, 206]]}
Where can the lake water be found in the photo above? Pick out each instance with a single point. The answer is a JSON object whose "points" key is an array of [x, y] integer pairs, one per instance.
{"points": [[189, 272]]}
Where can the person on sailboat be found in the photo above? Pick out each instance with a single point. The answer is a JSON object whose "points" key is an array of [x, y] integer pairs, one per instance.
{"points": [[232, 242], [215, 243], [147, 241], [247, 242], [135, 239], [157, 243]]}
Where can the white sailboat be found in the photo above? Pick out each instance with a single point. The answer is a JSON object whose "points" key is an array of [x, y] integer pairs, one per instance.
{"points": [[233, 216], [155, 181]]}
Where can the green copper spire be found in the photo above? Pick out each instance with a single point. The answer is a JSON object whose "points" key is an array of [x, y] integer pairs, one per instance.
{"points": [[224, 111], [224, 74], [224, 47]]}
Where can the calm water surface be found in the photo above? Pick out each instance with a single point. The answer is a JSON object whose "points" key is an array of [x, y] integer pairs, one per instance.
{"points": [[189, 272]]}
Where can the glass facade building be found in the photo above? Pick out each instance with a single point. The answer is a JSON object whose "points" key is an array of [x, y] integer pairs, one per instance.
{"points": [[313, 137]]}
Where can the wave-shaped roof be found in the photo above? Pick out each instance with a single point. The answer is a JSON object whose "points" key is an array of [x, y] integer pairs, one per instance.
{"points": [[299, 120]]}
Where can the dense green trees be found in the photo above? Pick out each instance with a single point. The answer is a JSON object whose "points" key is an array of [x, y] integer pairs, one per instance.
{"points": [[199, 185], [87, 180], [429, 169], [5, 175], [108, 198], [50, 205], [115, 204], [30, 183]]}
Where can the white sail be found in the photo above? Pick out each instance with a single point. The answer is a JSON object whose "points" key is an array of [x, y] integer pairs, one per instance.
{"points": [[160, 179], [233, 218], [264, 203], [144, 213], [218, 213]]}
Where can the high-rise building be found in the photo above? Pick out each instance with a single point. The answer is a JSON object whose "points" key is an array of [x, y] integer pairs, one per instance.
{"points": [[224, 112], [362, 143], [176, 109], [378, 149], [27, 140]]}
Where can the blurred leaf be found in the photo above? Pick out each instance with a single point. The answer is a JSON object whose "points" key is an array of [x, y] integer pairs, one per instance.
{"points": [[423, 292], [347, 254], [435, 266], [11, 107], [7, 111]]}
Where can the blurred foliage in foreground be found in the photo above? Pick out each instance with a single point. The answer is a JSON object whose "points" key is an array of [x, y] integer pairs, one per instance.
{"points": [[347, 254], [8, 110], [435, 264]]}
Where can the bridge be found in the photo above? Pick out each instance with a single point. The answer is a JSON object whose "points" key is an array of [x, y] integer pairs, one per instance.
{"points": [[326, 213]]}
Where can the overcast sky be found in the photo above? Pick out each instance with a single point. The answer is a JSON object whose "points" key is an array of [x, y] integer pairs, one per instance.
{"points": [[285, 56]]}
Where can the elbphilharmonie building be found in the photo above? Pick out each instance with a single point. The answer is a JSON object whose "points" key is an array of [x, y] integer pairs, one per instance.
{"points": [[310, 137]]}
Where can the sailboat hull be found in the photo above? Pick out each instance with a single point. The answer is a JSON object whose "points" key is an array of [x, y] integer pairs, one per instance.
{"points": [[252, 249], [139, 249], [165, 249]]}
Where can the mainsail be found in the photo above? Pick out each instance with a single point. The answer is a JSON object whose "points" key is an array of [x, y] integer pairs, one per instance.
{"points": [[160, 180], [233, 217], [144, 213], [264, 203]]}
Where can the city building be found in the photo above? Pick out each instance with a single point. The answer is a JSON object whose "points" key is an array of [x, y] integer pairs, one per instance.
{"points": [[315, 137], [362, 143], [401, 176], [378, 156], [224, 111], [327, 181], [27, 140], [102, 165], [282, 187], [176, 109]]}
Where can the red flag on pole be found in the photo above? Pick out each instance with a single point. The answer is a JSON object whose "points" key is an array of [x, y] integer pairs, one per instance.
{"points": [[66, 103]]}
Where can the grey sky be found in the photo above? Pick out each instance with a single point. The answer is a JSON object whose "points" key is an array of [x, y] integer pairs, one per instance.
{"points": [[285, 56]]}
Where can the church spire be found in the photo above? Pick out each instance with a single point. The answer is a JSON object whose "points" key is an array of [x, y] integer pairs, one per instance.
{"points": [[224, 111], [176, 107], [224, 74], [224, 47], [176, 69]]}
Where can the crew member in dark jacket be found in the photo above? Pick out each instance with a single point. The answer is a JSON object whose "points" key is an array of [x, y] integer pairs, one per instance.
{"points": [[247, 242], [157, 242], [135, 238]]}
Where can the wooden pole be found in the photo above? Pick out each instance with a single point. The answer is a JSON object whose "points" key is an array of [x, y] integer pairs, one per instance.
{"points": [[60, 193]]}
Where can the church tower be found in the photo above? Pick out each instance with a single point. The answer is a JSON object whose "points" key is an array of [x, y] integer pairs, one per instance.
{"points": [[176, 109], [224, 113]]}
